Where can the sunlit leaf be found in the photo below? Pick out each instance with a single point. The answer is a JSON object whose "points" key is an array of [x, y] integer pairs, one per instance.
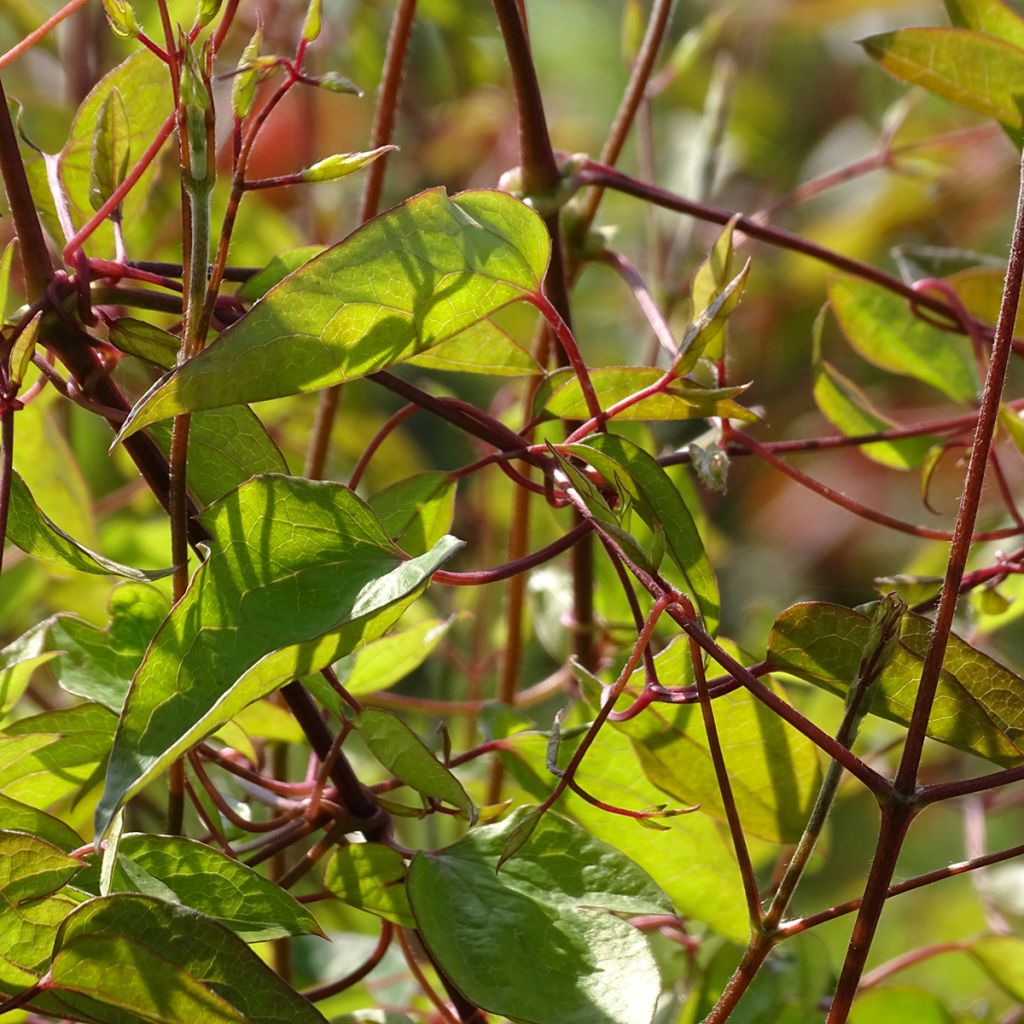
{"points": [[371, 877], [481, 348], [880, 326], [974, 69], [416, 512], [404, 282], [409, 759], [979, 705], [19, 817], [206, 880], [31, 530], [280, 266], [897, 1004], [711, 278], [378, 666], [996, 17], [18, 660], [541, 940], [110, 149], [279, 543], [1002, 959], [124, 957]]}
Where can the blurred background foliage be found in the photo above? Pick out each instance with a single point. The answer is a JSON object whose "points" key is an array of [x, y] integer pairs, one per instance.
{"points": [[756, 97]]}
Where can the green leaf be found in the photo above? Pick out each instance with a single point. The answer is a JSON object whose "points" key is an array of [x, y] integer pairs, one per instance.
{"points": [[6, 260], [995, 17], [279, 543], [409, 759], [124, 957], [682, 400], [225, 448], [481, 348], [145, 341], [371, 877], [973, 69], [404, 282], [416, 512], [774, 770], [19, 817], [121, 16], [540, 941], [248, 76], [31, 530], [844, 405], [898, 1004], [709, 282], [24, 349], [378, 666], [110, 149], [31, 870], [1001, 957], [311, 26], [208, 881], [98, 664], [49, 756], [144, 87], [660, 505], [280, 266], [342, 164], [691, 861], [978, 705], [18, 660], [880, 326]]}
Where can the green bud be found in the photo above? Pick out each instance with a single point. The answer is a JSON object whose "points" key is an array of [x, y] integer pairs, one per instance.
{"points": [[208, 10], [243, 88], [24, 349], [311, 26], [121, 16], [198, 106], [108, 164], [335, 82], [342, 164]]}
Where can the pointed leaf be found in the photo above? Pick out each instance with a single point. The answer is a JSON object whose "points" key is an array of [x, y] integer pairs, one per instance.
{"points": [[404, 282], [682, 400], [482, 348], [410, 760], [416, 512], [19, 817], [378, 666], [979, 706], [31, 530], [110, 149], [880, 326], [122, 957], [974, 69], [658, 503], [18, 660], [540, 941], [300, 573], [342, 164], [206, 880], [371, 877]]}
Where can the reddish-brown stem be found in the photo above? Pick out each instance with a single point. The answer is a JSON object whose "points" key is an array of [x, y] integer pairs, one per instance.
{"points": [[644, 299], [26, 44], [896, 817], [421, 979], [916, 956], [640, 75], [952, 790], [315, 995], [854, 506], [393, 422]]}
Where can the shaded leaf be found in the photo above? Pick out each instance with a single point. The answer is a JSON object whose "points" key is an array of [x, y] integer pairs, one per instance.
{"points": [[280, 266], [409, 759], [540, 941], [972, 69], [383, 663], [682, 400], [206, 880], [31, 530], [416, 512], [18, 660], [108, 165], [402, 283], [897, 1004], [880, 326], [124, 956], [98, 664], [371, 877], [19, 817], [279, 543], [659, 504], [709, 282], [979, 704], [144, 340]]}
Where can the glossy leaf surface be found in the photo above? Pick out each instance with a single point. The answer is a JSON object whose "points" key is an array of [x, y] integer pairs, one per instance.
{"points": [[279, 543], [404, 282], [541, 940]]}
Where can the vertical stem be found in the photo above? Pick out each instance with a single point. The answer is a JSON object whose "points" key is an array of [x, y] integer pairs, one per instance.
{"points": [[383, 126], [896, 817]]}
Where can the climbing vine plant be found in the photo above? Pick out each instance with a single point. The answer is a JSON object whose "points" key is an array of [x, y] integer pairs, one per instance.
{"points": [[458, 682]]}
